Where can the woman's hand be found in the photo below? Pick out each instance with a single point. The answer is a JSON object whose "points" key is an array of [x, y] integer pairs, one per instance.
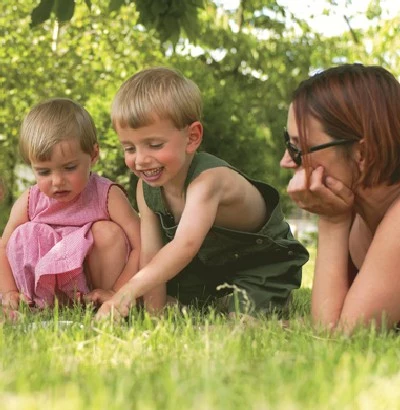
{"points": [[326, 196]]}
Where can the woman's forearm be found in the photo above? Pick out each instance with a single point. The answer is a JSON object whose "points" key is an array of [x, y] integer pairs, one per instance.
{"points": [[331, 281]]}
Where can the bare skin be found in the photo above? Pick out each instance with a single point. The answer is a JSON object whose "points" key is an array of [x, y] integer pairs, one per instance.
{"points": [[63, 177], [160, 154], [357, 232]]}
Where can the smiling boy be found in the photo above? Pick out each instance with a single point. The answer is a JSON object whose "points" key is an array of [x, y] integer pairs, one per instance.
{"points": [[203, 223]]}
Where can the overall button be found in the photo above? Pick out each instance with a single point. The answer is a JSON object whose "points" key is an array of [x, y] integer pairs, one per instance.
{"points": [[290, 253], [259, 241]]}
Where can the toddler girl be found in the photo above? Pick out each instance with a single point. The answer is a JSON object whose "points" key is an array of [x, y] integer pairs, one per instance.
{"points": [[74, 232]]}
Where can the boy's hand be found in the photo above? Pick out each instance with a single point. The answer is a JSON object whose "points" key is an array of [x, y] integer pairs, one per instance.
{"points": [[98, 296], [118, 306]]}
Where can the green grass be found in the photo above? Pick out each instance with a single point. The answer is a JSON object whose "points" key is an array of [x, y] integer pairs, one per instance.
{"points": [[192, 361]]}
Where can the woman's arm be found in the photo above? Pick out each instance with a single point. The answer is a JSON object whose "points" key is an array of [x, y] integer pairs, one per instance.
{"points": [[375, 293], [337, 299], [331, 275], [333, 202]]}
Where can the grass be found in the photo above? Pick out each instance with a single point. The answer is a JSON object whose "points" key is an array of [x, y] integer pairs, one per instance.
{"points": [[192, 361]]}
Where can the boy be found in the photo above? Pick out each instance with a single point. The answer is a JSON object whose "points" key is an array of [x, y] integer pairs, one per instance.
{"points": [[203, 223]]}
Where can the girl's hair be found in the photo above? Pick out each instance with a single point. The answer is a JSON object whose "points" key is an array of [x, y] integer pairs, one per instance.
{"points": [[51, 122], [353, 101], [156, 93]]}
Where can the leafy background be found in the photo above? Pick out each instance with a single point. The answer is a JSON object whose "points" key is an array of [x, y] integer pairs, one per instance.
{"points": [[246, 61]]}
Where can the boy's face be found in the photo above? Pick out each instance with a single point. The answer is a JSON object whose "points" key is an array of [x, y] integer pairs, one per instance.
{"points": [[67, 172], [157, 153]]}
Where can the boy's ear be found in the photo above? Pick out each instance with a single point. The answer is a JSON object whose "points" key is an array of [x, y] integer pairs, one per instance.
{"points": [[195, 136], [95, 154]]}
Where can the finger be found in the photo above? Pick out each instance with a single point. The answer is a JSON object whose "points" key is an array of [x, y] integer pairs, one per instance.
{"points": [[123, 308], [11, 301], [90, 297], [298, 182], [317, 180], [340, 189], [103, 313]]}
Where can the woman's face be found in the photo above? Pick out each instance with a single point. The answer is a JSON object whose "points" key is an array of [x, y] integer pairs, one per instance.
{"points": [[332, 159]]}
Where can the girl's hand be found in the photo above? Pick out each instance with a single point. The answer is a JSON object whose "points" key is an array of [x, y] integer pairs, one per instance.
{"points": [[119, 304], [326, 196], [98, 296], [11, 299]]}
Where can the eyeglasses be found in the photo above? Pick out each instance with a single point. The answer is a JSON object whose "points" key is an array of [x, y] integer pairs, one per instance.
{"points": [[296, 154]]}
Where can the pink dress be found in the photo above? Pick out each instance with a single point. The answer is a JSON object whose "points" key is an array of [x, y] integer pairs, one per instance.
{"points": [[46, 254]]}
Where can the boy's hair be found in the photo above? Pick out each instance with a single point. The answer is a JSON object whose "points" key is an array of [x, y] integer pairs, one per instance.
{"points": [[356, 102], [53, 121], [156, 93]]}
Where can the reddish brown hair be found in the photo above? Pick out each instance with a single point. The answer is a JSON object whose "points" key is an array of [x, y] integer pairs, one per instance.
{"points": [[353, 101]]}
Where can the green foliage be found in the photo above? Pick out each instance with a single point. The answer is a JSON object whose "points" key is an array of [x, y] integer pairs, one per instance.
{"points": [[167, 17], [374, 9], [246, 62], [42, 12], [64, 10]]}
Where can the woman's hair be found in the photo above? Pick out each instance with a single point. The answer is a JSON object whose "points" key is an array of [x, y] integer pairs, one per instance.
{"points": [[156, 93], [53, 121], [358, 102]]}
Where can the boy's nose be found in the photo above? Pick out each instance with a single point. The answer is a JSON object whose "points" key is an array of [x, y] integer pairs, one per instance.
{"points": [[287, 162], [141, 159]]}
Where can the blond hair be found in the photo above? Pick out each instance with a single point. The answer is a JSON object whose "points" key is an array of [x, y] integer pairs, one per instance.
{"points": [[51, 122], [156, 93]]}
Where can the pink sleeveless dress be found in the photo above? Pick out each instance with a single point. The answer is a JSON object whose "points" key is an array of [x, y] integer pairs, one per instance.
{"points": [[46, 254]]}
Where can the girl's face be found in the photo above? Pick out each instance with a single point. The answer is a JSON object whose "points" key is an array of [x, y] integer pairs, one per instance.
{"points": [[158, 153], [67, 172], [332, 158]]}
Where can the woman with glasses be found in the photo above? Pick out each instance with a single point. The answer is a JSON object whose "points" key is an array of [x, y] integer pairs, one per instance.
{"points": [[343, 145]]}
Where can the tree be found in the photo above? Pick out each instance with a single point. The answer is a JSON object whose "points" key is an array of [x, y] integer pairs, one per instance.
{"points": [[169, 18], [247, 62]]}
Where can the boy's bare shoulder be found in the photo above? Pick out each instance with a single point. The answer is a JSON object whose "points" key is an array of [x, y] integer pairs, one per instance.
{"points": [[225, 178], [240, 203]]}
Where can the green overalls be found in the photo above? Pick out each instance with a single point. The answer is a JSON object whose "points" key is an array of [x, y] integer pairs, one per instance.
{"points": [[263, 267]]}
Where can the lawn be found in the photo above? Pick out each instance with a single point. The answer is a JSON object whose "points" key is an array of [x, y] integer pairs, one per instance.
{"points": [[185, 360]]}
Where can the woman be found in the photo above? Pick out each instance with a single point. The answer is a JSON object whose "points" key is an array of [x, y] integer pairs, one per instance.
{"points": [[343, 144]]}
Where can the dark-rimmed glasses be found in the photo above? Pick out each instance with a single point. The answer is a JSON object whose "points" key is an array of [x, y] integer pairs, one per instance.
{"points": [[296, 154]]}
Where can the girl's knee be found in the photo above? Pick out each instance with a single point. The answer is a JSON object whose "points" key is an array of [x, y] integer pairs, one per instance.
{"points": [[107, 234]]}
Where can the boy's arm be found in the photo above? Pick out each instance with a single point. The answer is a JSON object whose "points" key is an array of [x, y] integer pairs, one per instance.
{"points": [[151, 243], [18, 216], [202, 200]]}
